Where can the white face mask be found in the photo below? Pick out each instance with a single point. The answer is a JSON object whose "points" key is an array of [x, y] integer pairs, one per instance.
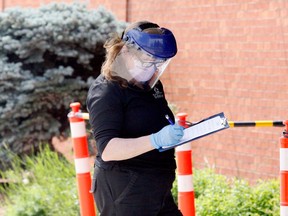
{"points": [[141, 74]]}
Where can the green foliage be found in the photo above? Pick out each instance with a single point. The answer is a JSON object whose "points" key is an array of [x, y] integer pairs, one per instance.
{"points": [[216, 195], [46, 187], [48, 58]]}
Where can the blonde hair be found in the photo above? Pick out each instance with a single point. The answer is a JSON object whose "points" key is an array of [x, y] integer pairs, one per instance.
{"points": [[113, 47]]}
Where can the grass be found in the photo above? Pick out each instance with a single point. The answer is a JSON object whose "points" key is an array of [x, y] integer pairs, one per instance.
{"points": [[47, 186]]}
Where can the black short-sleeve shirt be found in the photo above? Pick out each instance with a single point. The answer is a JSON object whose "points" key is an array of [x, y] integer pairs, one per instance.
{"points": [[128, 113]]}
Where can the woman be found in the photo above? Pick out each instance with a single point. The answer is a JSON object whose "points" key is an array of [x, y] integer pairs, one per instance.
{"points": [[127, 107]]}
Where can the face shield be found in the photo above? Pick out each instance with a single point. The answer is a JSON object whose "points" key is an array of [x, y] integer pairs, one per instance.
{"points": [[144, 57], [138, 68]]}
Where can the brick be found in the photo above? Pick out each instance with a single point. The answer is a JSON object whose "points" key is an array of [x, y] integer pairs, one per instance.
{"points": [[232, 57]]}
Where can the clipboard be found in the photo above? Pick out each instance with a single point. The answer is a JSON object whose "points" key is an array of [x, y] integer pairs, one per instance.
{"points": [[201, 129]]}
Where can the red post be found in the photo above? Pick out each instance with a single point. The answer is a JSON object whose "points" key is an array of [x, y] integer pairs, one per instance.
{"points": [[186, 197], [82, 161], [284, 171]]}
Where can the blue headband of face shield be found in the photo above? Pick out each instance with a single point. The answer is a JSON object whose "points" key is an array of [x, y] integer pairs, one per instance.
{"points": [[158, 45]]}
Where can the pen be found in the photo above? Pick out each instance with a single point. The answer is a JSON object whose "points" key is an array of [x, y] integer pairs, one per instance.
{"points": [[169, 120]]}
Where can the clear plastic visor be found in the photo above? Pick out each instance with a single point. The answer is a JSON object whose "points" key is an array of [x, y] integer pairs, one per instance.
{"points": [[138, 67]]}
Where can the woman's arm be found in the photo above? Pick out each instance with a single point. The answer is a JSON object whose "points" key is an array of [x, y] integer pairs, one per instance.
{"points": [[122, 149], [125, 148]]}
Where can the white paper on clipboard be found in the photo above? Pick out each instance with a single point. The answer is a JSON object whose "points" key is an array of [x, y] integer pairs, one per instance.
{"points": [[203, 128]]}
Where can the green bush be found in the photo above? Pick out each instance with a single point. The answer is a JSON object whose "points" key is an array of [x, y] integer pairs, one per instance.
{"points": [[46, 187], [217, 195]]}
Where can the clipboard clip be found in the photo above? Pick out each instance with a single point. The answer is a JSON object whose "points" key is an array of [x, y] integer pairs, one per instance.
{"points": [[224, 121]]}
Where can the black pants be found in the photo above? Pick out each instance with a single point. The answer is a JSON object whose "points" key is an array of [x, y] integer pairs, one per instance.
{"points": [[124, 192]]}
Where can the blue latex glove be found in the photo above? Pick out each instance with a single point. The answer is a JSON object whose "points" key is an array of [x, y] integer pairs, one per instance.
{"points": [[167, 136]]}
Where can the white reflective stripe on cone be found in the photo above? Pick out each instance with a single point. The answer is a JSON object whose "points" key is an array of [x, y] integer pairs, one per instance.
{"points": [[82, 165], [284, 210], [284, 159], [78, 129], [185, 183], [185, 147]]}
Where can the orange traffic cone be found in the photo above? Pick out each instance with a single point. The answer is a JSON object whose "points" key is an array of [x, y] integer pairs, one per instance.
{"points": [[82, 164], [186, 197], [284, 172]]}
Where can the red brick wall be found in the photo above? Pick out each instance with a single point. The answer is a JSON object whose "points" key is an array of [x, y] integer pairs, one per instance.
{"points": [[232, 58]]}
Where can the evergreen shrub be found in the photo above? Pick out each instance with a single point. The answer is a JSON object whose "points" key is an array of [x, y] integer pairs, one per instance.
{"points": [[48, 58]]}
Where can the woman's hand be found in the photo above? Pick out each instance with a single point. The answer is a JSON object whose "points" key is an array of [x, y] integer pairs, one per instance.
{"points": [[167, 136]]}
